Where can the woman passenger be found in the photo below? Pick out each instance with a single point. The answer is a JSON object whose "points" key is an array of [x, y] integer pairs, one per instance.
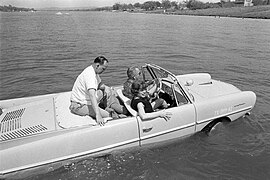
{"points": [[134, 74], [140, 103]]}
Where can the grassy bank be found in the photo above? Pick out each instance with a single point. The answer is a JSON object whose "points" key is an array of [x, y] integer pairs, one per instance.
{"points": [[259, 12]]}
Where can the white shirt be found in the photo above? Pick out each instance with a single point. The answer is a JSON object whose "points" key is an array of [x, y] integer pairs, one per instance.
{"points": [[88, 79]]}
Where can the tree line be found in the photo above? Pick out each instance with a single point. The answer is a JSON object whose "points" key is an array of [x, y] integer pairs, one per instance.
{"points": [[164, 4], [14, 9], [167, 4], [148, 5]]}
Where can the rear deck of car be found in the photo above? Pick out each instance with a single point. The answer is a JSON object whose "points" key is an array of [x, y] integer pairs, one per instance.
{"points": [[42, 131], [28, 119], [34, 117]]}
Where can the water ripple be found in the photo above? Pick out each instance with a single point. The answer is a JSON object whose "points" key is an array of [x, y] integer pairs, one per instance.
{"points": [[43, 53]]}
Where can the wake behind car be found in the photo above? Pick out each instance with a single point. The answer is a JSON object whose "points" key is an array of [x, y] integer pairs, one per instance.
{"points": [[41, 130]]}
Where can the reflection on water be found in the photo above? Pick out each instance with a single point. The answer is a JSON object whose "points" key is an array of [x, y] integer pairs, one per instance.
{"points": [[43, 53]]}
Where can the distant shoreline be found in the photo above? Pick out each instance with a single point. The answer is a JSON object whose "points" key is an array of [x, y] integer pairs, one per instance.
{"points": [[256, 12], [10, 8]]}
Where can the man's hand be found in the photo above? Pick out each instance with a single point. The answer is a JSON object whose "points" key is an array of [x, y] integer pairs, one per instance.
{"points": [[100, 121]]}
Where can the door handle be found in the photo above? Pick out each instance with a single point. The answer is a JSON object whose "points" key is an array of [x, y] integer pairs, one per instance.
{"points": [[145, 130]]}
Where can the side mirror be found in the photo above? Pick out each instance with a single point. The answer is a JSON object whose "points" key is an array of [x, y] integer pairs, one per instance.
{"points": [[189, 82]]}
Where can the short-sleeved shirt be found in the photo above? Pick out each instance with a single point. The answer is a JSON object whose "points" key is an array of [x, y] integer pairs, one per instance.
{"points": [[147, 105], [127, 88], [88, 79]]}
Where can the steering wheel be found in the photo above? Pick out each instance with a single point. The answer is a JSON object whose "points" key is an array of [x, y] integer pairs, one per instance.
{"points": [[154, 87]]}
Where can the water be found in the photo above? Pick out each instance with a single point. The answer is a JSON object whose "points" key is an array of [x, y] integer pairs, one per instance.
{"points": [[43, 53]]}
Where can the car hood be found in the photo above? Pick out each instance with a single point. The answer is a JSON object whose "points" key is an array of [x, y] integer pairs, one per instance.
{"points": [[201, 86]]}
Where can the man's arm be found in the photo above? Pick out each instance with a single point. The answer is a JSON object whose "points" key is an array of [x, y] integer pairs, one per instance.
{"points": [[94, 103]]}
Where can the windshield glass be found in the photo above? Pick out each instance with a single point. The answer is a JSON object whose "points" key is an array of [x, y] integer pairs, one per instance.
{"points": [[169, 82], [152, 72]]}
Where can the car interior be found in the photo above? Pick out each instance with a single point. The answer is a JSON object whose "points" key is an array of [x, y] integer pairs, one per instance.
{"points": [[167, 88]]}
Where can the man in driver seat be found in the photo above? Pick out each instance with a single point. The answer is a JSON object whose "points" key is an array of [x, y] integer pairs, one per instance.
{"points": [[134, 74]]}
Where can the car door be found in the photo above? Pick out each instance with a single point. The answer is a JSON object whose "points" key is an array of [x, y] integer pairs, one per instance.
{"points": [[181, 123]]}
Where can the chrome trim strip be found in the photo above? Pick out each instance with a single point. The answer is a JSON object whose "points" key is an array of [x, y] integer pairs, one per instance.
{"points": [[227, 114], [167, 131]]}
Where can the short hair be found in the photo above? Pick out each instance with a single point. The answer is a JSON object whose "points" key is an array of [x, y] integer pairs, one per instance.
{"points": [[136, 87], [131, 72], [101, 60]]}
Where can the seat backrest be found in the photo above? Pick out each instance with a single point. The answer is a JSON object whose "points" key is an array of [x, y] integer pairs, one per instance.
{"points": [[63, 115], [126, 102]]}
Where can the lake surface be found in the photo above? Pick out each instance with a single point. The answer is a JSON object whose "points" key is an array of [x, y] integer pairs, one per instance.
{"points": [[43, 53]]}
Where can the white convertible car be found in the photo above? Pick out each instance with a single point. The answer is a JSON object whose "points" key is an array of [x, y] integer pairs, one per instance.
{"points": [[40, 130]]}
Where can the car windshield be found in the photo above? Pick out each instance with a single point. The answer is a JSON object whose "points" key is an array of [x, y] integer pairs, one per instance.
{"points": [[169, 83], [151, 72]]}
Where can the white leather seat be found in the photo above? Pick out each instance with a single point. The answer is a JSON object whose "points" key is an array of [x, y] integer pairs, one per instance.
{"points": [[126, 102], [63, 115]]}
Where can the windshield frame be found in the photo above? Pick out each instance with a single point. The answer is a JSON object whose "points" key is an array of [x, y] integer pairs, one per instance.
{"points": [[153, 69]]}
